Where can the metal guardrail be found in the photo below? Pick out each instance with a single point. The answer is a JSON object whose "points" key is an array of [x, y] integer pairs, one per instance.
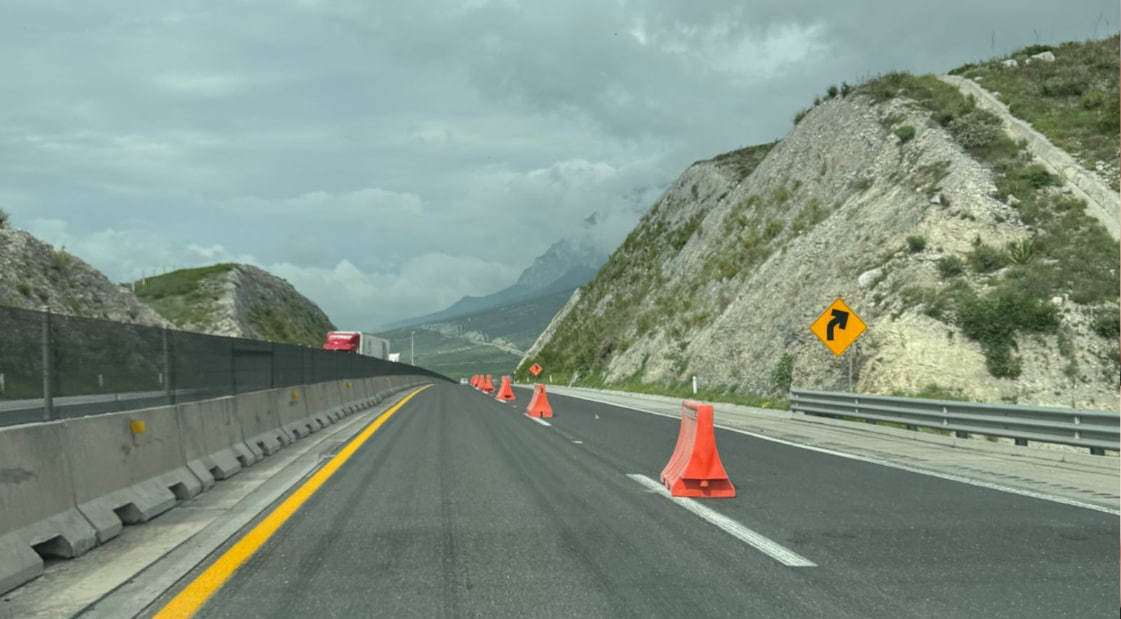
{"points": [[1095, 430]]}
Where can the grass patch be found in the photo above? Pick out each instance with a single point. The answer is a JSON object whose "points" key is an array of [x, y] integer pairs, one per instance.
{"points": [[933, 391], [1074, 101], [915, 244], [905, 133], [176, 283]]}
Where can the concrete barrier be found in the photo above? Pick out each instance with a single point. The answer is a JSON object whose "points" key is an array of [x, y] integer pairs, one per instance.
{"points": [[260, 424], [315, 399], [213, 444], [292, 410], [68, 486], [38, 516], [127, 467], [360, 391]]}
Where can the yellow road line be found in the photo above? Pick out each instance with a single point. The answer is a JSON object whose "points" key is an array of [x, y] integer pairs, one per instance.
{"points": [[191, 599]]}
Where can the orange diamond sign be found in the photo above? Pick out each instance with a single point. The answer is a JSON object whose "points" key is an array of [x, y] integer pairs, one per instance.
{"points": [[535, 369], [838, 327]]}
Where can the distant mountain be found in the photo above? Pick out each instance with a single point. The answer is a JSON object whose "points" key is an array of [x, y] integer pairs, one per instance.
{"points": [[491, 341], [559, 261], [565, 266]]}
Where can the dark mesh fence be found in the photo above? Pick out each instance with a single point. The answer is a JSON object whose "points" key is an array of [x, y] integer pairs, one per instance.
{"points": [[97, 366]]}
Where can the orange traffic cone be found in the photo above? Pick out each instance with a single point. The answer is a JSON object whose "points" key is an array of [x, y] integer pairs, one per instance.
{"points": [[487, 387], [695, 469], [539, 405], [504, 392]]}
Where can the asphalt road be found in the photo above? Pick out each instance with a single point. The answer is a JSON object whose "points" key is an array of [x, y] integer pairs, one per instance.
{"points": [[462, 506]]}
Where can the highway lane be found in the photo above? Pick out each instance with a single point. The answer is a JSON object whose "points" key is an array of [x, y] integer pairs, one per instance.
{"points": [[462, 506]]}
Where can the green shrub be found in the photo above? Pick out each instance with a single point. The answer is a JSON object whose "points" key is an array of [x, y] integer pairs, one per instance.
{"points": [[1107, 322], [1064, 87], [994, 319], [24, 289], [916, 244], [1032, 50], [975, 129], [932, 391], [986, 259], [3, 219], [950, 266], [1021, 252], [832, 92], [845, 89], [772, 229], [800, 115], [783, 374], [1092, 99], [1111, 116], [905, 133], [61, 261]]}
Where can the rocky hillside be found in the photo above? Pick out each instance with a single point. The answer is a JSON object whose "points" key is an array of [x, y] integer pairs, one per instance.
{"points": [[34, 274], [979, 274], [236, 300]]}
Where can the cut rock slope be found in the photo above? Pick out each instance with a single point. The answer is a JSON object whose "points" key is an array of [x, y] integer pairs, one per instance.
{"points": [[870, 199]]}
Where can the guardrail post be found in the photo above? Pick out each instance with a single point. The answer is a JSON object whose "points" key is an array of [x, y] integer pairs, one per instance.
{"points": [[48, 398], [945, 422]]}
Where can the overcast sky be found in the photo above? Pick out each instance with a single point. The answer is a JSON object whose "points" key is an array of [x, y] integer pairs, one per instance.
{"points": [[389, 158]]}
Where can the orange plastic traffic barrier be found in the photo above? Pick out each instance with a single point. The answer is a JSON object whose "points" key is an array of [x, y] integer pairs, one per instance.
{"points": [[487, 386], [695, 469], [504, 392], [539, 404], [475, 381]]}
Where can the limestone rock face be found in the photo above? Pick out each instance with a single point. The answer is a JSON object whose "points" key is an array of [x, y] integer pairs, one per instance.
{"points": [[33, 274]]}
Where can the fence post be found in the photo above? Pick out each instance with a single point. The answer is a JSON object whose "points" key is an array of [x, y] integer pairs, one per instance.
{"points": [[48, 396], [233, 368], [168, 372]]}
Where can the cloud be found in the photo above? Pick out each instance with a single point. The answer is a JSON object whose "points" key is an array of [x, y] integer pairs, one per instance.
{"points": [[201, 85], [411, 153]]}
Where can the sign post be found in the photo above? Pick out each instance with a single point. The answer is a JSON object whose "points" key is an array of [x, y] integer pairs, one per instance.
{"points": [[838, 327]]}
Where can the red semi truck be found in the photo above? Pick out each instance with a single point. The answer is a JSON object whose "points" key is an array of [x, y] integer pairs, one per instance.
{"points": [[358, 342]]}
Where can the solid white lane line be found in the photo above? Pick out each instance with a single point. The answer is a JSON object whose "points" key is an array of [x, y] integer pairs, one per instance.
{"points": [[540, 421], [758, 541], [981, 483]]}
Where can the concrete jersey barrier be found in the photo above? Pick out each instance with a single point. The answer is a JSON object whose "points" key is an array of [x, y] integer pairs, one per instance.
{"points": [[121, 477], [37, 495], [213, 444]]}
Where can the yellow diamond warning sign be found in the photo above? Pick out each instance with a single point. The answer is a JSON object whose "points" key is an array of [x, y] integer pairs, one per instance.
{"points": [[838, 327]]}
